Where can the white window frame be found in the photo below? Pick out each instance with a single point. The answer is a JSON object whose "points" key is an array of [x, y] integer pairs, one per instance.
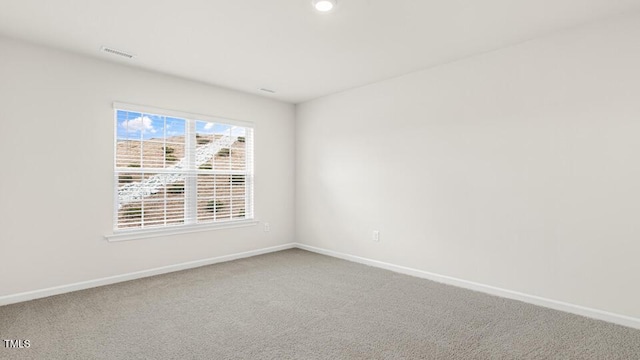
{"points": [[190, 224]]}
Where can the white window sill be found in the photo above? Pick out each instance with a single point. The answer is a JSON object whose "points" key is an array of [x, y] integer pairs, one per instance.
{"points": [[125, 235]]}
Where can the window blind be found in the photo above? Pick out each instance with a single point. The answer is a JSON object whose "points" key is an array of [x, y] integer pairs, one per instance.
{"points": [[177, 171]]}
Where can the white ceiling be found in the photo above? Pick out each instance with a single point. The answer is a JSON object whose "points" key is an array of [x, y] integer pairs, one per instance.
{"points": [[285, 45]]}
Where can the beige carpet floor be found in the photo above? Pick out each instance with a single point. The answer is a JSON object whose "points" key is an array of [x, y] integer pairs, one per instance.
{"points": [[299, 305]]}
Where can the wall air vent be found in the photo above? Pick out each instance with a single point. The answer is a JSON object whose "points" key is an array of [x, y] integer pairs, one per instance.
{"points": [[117, 52]]}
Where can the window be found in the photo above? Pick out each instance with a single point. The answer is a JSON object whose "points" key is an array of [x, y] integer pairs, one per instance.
{"points": [[173, 170]]}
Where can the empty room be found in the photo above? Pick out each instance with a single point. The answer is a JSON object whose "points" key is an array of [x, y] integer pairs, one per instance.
{"points": [[320, 179]]}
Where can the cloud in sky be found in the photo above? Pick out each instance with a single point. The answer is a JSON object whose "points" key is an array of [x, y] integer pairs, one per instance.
{"points": [[209, 126], [143, 124], [238, 131]]}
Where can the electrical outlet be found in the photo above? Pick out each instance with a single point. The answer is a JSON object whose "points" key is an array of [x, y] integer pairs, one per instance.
{"points": [[376, 235], [267, 227]]}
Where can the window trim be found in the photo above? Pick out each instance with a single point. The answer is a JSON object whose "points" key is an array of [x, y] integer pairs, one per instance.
{"points": [[180, 114], [133, 234]]}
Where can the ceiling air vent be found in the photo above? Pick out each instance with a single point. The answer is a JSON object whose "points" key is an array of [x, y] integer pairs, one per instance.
{"points": [[267, 90], [116, 52]]}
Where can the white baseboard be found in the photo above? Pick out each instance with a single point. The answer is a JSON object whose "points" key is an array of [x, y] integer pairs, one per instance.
{"points": [[531, 299], [36, 294]]}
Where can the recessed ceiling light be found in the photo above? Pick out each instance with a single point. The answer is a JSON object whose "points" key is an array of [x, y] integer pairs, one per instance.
{"points": [[324, 5]]}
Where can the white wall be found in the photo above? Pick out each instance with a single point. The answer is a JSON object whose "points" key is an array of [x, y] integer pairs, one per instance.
{"points": [[56, 187], [517, 168]]}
